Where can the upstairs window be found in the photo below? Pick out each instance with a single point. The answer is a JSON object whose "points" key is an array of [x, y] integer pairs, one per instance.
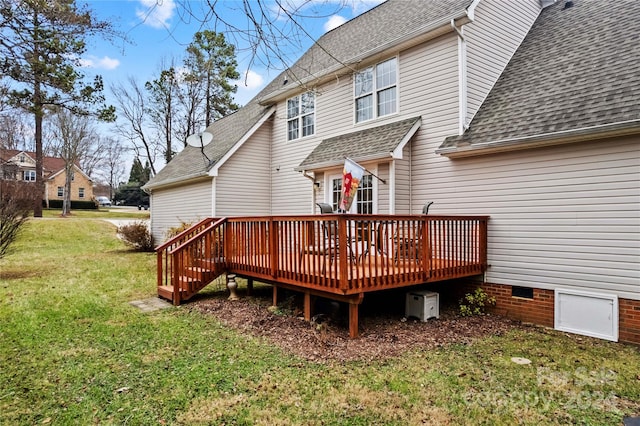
{"points": [[29, 175], [301, 116], [375, 91]]}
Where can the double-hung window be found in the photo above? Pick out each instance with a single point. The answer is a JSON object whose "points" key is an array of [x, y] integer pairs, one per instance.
{"points": [[80, 192], [375, 91], [60, 191], [301, 116], [29, 175]]}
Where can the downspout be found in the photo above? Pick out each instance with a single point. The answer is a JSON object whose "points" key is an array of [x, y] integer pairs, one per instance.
{"points": [[313, 190], [462, 79]]}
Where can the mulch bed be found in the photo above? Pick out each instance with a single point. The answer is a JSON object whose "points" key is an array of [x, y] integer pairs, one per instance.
{"points": [[384, 332]]}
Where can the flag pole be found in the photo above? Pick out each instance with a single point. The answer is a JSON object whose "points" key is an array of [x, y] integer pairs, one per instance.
{"points": [[368, 171]]}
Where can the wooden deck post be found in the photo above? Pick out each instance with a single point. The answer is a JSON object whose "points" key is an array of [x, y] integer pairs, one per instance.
{"points": [[353, 320], [353, 315], [275, 296], [307, 306], [249, 286]]}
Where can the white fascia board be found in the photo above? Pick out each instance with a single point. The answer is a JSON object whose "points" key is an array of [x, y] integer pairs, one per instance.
{"points": [[183, 180], [547, 139], [397, 152], [216, 167]]}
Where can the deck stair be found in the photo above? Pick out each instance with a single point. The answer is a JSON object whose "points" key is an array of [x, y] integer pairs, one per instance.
{"points": [[186, 264]]}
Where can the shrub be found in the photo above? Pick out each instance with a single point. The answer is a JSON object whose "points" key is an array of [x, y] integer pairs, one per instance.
{"points": [[137, 235], [475, 303], [17, 199], [75, 205], [173, 231]]}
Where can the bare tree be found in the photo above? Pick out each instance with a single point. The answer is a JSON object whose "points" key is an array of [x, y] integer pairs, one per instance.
{"points": [[134, 124], [15, 132], [73, 135], [162, 108], [112, 169]]}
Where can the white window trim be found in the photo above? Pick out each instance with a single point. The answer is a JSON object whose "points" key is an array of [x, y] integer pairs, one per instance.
{"points": [[375, 91], [337, 174], [300, 115], [32, 175]]}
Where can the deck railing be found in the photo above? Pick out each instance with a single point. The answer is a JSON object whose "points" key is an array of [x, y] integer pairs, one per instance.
{"points": [[349, 254], [338, 254]]}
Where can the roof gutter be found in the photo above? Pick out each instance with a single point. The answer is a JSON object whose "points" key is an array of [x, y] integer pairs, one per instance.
{"points": [[413, 38], [466, 149], [201, 176]]}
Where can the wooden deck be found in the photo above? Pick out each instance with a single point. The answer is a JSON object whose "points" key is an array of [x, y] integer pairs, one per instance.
{"points": [[341, 257]]}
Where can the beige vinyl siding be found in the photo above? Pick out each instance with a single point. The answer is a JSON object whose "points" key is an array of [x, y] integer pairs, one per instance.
{"points": [[565, 216], [497, 31], [382, 202], [243, 182], [186, 203], [403, 182], [433, 88]]}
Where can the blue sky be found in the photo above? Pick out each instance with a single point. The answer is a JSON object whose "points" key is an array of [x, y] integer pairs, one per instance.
{"points": [[161, 29]]}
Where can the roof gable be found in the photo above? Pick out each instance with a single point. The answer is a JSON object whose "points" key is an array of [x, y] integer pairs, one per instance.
{"points": [[577, 71]]}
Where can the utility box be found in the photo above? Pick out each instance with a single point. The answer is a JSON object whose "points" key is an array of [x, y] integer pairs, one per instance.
{"points": [[422, 305]]}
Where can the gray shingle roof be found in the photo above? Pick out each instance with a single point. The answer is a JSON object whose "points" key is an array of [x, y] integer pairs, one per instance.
{"points": [[577, 69], [383, 25], [374, 143]]}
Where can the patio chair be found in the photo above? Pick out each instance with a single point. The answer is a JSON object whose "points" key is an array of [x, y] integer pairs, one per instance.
{"points": [[425, 208], [325, 208]]}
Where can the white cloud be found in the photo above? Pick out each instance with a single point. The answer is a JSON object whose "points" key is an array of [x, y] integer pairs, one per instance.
{"points": [[251, 80], [105, 63], [248, 86], [156, 13], [334, 22]]}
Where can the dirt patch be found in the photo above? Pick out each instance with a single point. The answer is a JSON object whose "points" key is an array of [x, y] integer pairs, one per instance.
{"points": [[19, 274], [384, 332]]}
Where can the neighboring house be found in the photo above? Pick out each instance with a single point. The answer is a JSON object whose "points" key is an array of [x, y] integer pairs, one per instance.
{"points": [[526, 111], [21, 165]]}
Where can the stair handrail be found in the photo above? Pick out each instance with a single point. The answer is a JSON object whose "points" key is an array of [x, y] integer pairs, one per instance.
{"points": [[162, 250], [181, 235], [177, 261], [200, 234]]}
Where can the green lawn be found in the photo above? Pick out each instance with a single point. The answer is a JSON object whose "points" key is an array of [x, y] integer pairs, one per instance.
{"points": [[73, 351]]}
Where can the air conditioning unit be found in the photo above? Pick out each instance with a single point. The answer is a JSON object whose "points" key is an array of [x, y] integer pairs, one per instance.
{"points": [[422, 305]]}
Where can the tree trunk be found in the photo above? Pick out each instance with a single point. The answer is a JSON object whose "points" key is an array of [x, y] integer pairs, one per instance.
{"points": [[37, 208], [66, 199]]}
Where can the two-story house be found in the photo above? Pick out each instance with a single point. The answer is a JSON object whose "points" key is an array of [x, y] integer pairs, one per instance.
{"points": [[524, 111], [21, 165]]}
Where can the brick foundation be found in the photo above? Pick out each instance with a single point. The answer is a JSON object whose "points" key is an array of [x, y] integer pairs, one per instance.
{"points": [[540, 309], [629, 328]]}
